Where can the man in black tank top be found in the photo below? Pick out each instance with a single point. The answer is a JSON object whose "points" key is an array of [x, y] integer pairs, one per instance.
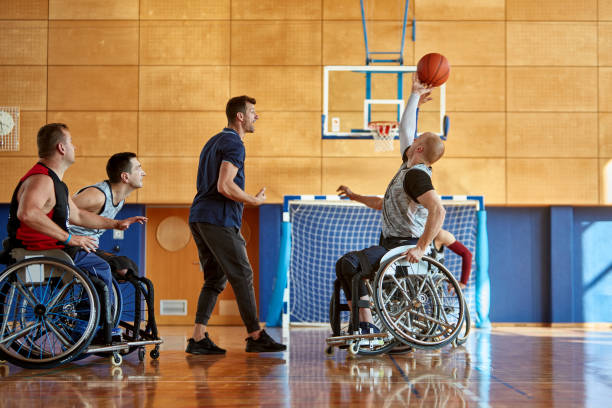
{"points": [[41, 209]]}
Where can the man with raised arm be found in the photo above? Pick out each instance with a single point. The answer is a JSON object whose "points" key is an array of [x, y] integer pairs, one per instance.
{"points": [[412, 210]]}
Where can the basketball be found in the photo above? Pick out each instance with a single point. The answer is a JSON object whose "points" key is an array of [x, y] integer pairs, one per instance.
{"points": [[433, 69]]}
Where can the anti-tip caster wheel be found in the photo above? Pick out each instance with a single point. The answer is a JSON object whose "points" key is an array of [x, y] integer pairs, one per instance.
{"points": [[154, 353], [329, 350], [141, 354], [116, 359]]}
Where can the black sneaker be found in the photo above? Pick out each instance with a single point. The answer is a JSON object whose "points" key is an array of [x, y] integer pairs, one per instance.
{"points": [[263, 344], [204, 346]]}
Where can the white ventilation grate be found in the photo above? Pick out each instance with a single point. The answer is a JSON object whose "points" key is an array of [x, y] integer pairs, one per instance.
{"points": [[173, 307]]}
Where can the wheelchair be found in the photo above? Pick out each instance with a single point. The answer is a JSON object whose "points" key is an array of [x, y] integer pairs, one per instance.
{"points": [[51, 311], [419, 305]]}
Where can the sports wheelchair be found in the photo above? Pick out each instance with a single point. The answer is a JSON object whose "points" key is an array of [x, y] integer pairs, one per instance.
{"points": [[50, 311], [417, 305]]}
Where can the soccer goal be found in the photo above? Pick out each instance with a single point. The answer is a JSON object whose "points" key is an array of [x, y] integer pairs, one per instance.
{"points": [[317, 230]]}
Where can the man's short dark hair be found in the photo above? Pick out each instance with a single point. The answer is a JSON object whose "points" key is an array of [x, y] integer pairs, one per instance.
{"points": [[48, 137], [117, 164], [235, 105]]}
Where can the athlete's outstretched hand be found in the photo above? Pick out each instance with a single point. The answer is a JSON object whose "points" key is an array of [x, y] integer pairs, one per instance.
{"points": [[344, 191]]}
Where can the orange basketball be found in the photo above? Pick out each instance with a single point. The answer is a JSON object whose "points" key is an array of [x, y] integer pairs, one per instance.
{"points": [[433, 69]]}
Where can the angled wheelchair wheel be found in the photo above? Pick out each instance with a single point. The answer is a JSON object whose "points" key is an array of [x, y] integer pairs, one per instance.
{"points": [[465, 328], [49, 311], [421, 304]]}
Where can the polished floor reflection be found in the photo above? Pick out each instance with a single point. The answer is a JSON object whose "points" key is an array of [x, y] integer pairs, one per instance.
{"points": [[501, 367]]}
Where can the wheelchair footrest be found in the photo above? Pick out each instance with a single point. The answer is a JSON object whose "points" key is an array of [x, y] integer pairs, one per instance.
{"points": [[110, 347], [337, 340]]}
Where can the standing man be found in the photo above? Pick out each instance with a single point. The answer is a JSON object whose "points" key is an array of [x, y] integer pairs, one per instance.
{"points": [[215, 219]]}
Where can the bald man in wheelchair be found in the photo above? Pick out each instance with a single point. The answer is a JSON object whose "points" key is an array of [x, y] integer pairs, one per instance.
{"points": [[412, 212]]}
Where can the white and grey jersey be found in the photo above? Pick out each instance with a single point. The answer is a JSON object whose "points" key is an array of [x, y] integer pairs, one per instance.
{"points": [[109, 210], [403, 217]]}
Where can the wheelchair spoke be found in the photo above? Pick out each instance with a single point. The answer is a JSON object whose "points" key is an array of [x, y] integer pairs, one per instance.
{"points": [[8, 309], [60, 280], [8, 340], [59, 333], [26, 293], [60, 294]]}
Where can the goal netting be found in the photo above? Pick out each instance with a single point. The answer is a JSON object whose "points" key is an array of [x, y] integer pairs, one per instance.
{"points": [[322, 230]]}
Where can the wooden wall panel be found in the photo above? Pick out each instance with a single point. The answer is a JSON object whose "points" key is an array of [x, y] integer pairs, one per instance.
{"points": [[553, 181], [605, 181], [275, 10], [551, 10], [287, 89], [367, 176], [605, 89], [29, 123], [480, 89], [184, 88], [12, 170], [459, 10], [24, 86], [93, 43], [170, 180], [285, 134], [171, 134], [184, 43], [84, 172], [185, 9], [605, 10], [287, 43], [24, 9], [605, 44], [343, 149], [93, 88], [471, 134], [343, 41], [391, 10], [605, 135], [571, 44], [552, 135], [23, 43], [93, 9], [347, 92], [463, 43], [282, 176], [535, 89], [473, 176], [100, 134]]}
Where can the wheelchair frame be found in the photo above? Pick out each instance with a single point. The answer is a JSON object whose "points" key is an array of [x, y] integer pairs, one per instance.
{"points": [[50, 311], [420, 309]]}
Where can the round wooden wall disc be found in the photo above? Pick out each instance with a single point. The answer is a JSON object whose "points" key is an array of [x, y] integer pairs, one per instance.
{"points": [[173, 233]]}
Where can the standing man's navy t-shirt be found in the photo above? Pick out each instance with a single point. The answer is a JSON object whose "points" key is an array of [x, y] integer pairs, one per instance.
{"points": [[209, 205]]}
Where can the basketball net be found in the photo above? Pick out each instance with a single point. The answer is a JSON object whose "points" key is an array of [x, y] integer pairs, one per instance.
{"points": [[383, 134]]}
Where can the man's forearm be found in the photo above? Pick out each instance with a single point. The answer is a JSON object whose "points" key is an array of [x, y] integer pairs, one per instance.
{"points": [[371, 201], [433, 225], [90, 220], [409, 122], [43, 224], [232, 191]]}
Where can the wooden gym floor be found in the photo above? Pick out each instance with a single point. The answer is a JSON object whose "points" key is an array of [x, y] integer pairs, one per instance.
{"points": [[506, 366]]}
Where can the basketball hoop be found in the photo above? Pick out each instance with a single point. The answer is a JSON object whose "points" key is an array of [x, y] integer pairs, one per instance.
{"points": [[383, 133]]}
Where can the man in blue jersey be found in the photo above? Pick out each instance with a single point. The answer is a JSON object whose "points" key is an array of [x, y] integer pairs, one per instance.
{"points": [[215, 219]]}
